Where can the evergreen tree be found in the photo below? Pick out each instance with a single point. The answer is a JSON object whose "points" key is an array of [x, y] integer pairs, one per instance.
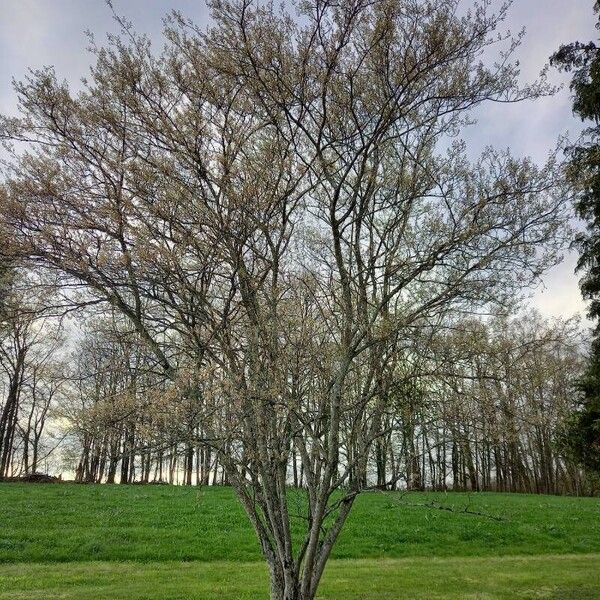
{"points": [[583, 60]]}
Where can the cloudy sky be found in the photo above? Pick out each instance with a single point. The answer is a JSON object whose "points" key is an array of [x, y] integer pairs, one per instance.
{"points": [[34, 33]]}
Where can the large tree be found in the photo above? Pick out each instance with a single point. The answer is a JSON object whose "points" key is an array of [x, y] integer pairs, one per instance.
{"points": [[583, 60], [273, 204]]}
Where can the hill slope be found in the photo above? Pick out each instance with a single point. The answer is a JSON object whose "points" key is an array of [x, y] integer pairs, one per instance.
{"points": [[68, 522]]}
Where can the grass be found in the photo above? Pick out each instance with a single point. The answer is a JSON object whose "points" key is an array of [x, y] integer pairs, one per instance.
{"points": [[151, 542], [507, 578], [67, 522]]}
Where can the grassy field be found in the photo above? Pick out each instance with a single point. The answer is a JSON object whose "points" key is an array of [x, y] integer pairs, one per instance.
{"points": [[573, 577], [157, 542]]}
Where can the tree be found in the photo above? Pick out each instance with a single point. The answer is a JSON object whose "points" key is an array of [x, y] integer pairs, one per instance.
{"points": [[30, 376], [118, 411], [583, 60], [274, 204], [479, 404]]}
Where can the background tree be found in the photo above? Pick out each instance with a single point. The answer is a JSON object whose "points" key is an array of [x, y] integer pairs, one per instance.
{"points": [[31, 375], [583, 59]]}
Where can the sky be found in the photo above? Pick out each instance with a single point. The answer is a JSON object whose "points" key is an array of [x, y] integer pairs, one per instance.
{"points": [[36, 33]]}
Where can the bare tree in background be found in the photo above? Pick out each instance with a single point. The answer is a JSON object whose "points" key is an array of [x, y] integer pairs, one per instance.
{"points": [[30, 373], [273, 204]]}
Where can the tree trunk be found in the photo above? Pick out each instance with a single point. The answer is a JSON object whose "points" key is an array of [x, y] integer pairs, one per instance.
{"points": [[8, 417], [285, 584]]}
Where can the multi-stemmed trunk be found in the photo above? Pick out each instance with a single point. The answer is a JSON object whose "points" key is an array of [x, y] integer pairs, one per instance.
{"points": [[291, 581]]}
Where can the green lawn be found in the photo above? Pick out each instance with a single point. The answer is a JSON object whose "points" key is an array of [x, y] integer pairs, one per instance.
{"points": [[156, 542], [565, 577]]}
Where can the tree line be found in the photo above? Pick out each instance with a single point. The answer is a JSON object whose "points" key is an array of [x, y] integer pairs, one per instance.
{"points": [[477, 404]]}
